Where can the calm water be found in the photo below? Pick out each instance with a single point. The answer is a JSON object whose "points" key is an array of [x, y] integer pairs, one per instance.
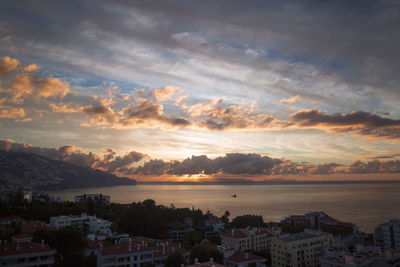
{"points": [[364, 204]]}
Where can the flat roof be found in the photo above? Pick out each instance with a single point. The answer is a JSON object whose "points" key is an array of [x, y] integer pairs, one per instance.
{"points": [[298, 236]]}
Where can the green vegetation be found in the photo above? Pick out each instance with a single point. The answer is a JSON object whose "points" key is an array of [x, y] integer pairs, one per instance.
{"points": [[203, 254], [175, 259]]}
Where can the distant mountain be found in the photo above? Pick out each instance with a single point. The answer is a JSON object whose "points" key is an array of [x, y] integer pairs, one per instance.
{"points": [[27, 171]]}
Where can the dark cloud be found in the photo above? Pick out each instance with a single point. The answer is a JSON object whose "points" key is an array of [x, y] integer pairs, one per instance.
{"points": [[234, 163], [358, 122], [375, 166], [108, 162]]}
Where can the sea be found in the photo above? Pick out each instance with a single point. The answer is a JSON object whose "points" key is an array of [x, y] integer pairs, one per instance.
{"points": [[365, 204]]}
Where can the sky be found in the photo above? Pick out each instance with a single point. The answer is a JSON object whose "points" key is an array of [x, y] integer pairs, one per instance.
{"points": [[189, 90]]}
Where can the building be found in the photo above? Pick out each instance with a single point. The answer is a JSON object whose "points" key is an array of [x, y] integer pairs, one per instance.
{"points": [[10, 219], [365, 256], [92, 197], [216, 225], [245, 259], [91, 223], [387, 235], [31, 227], [301, 249], [136, 255], [124, 254], [22, 252], [210, 263], [321, 221], [254, 239]]}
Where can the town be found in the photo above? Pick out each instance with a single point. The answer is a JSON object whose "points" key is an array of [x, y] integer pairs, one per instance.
{"points": [[39, 230]]}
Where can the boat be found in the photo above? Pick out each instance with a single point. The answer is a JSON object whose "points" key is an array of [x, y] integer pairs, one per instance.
{"points": [[234, 195]]}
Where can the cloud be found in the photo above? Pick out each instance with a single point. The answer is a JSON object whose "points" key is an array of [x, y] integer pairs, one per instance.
{"points": [[31, 68], [290, 100], [12, 113], [233, 163], [108, 162], [375, 166], [216, 115], [166, 93], [359, 123], [26, 84], [8, 65], [390, 156]]}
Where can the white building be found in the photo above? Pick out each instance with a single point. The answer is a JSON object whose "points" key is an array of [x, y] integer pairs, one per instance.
{"points": [[92, 223], [135, 255], [92, 197], [216, 225], [387, 235], [23, 253], [366, 256]]}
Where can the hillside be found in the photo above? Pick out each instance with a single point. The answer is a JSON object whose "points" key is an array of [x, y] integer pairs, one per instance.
{"points": [[33, 172]]}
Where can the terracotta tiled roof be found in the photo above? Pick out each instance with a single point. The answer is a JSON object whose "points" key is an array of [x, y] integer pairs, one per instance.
{"points": [[240, 256], [158, 251], [92, 245], [235, 234], [208, 244], [23, 248], [24, 235], [34, 226]]}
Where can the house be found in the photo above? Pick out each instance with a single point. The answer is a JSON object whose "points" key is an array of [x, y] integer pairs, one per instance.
{"points": [[7, 220], [215, 225], [245, 259], [34, 226], [210, 263], [91, 223]]}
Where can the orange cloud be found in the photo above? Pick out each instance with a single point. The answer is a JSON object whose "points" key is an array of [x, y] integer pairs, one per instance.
{"points": [[30, 85], [31, 67], [12, 113], [8, 65], [166, 93], [215, 115], [290, 100]]}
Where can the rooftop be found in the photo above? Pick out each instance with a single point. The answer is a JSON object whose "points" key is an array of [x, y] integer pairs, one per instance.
{"points": [[23, 248], [241, 256], [297, 237]]}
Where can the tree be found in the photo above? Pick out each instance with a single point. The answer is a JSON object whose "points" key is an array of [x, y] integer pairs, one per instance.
{"points": [[190, 239], [71, 244], [175, 259], [248, 221], [215, 239], [203, 254], [225, 218]]}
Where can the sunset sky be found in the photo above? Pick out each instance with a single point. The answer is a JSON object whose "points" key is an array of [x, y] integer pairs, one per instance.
{"points": [[165, 90]]}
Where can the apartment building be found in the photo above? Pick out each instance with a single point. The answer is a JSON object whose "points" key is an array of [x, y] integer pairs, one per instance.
{"points": [[23, 253], [92, 197], [254, 239], [387, 235], [136, 255], [301, 249], [92, 223]]}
